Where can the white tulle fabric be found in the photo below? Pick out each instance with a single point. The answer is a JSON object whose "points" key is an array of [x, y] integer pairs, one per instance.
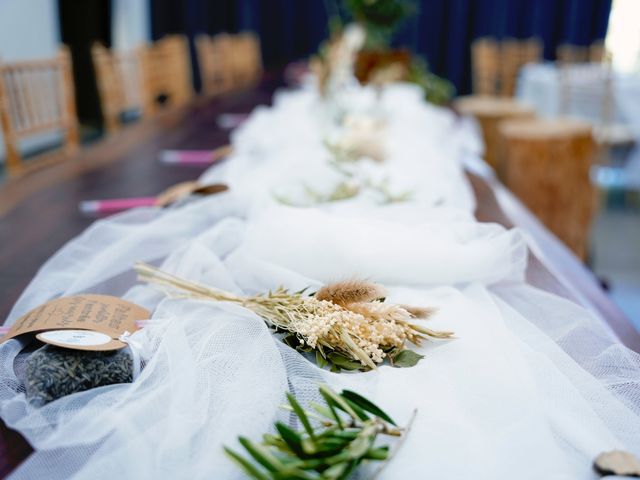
{"points": [[533, 387], [280, 150]]}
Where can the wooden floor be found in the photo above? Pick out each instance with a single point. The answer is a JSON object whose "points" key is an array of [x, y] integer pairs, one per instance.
{"points": [[39, 213]]}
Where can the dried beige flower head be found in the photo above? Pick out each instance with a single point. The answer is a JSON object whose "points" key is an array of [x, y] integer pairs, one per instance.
{"points": [[350, 291]]}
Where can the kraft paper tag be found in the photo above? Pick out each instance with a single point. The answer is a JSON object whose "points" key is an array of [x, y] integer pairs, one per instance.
{"points": [[81, 322], [184, 189]]}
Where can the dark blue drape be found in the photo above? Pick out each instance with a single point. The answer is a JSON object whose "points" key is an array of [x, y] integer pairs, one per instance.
{"points": [[442, 30]]}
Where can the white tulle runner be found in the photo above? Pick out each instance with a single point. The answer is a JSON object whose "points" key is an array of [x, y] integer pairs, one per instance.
{"points": [[532, 387]]}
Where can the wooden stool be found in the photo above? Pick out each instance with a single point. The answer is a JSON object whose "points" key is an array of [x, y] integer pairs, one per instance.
{"points": [[548, 164], [489, 112]]}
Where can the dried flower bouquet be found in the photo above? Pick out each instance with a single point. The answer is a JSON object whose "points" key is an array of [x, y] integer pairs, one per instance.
{"points": [[347, 324]]}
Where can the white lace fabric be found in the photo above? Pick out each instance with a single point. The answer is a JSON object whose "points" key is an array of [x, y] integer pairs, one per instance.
{"points": [[532, 387]]}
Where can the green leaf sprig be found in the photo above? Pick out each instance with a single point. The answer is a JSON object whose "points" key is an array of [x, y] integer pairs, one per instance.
{"points": [[336, 438]]}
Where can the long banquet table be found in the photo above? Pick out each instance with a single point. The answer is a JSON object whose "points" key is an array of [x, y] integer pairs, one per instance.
{"points": [[39, 213]]}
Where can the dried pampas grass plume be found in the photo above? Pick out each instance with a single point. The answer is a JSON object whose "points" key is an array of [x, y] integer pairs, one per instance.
{"points": [[350, 291], [422, 313]]}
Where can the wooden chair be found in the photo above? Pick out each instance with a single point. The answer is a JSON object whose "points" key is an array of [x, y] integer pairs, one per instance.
{"points": [[485, 61], [548, 167], [496, 64], [165, 72], [587, 92], [119, 83], [567, 53], [215, 59], [515, 54], [228, 62], [37, 97], [247, 59]]}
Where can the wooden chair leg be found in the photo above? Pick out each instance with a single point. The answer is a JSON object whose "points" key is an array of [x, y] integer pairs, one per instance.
{"points": [[13, 157], [71, 135]]}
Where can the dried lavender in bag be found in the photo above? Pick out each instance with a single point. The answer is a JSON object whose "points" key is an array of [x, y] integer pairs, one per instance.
{"points": [[53, 372]]}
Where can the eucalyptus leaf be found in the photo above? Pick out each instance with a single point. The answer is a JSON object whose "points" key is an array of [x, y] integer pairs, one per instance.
{"points": [[406, 358], [380, 453], [343, 362], [333, 399], [322, 410], [362, 415], [367, 405], [292, 340], [347, 473], [304, 347], [301, 414], [335, 414], [336, 471], [348, 434], [261, 455], [309, 446], [320, 360], [245, 465], [360, 446], [291, 438]]}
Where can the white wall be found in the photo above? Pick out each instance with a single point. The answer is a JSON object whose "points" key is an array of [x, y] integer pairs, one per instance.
{"points": [[28, 29], [623, 36], [130, 23]]}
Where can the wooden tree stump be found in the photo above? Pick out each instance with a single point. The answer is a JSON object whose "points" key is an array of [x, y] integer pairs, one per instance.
{"points": [[490, 112], [548, 164]]}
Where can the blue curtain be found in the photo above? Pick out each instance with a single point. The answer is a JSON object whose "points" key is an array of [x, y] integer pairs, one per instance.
{"points": [[442, 30]]}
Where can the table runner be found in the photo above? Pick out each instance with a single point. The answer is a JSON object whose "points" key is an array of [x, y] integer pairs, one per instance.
{"points": [[531, 380]]}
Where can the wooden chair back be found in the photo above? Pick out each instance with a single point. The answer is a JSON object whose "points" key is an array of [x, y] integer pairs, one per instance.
{"points": [[515, 54], [215, 60], [586, 91], [485, 60], [165, 71], [496, 64], [247, 60], [119, 83], [228, 62], [594, 53], [36, 97]]}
